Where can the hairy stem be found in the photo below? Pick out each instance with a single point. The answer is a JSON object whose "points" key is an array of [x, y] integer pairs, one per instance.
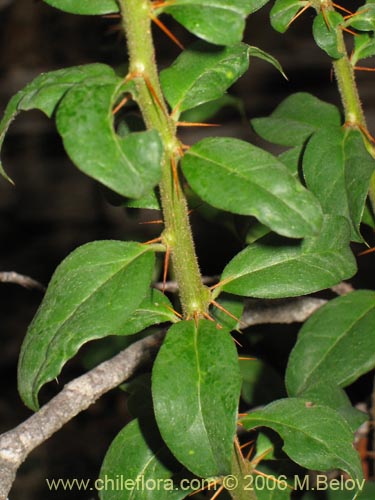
{"points": [[177, 236]]}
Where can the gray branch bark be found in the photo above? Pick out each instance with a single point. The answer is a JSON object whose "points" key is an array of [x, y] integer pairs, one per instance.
{"points": [[76, 396]]}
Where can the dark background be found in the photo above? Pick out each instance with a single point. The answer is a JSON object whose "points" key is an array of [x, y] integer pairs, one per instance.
{"points": [[54, 208]]}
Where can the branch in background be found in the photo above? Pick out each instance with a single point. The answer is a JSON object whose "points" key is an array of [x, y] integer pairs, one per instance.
{"points": [[20, 279], [76, 396]]}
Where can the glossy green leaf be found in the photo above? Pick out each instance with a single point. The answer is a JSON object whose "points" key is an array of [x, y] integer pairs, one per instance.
{"points": [[203, 73], [364, 18], [139, 463], [315, 437], [234, 305], [326, 393], [92, 294], [218, 21], [129, 165], [196, 387], [209, 109], [274, 272], [335, 489], [282, 13], [336, 343], [265, 56], [295, 119], [324, 31], [86, 7], [236, 176], [364, 46], [292, 159], [337, 169], [46, 91], [149, 201]]}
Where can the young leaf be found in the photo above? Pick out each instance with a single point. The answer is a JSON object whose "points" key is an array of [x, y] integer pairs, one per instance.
{"points": [[364, 46], [236, 176], [196, 387], [275, 272], [364, 18], [339, 335], [315, 437], [283, 12], [337, 169], [203, 73], [324, 32], [86, 7], [136, 460], [92, 294], [46, 91], [129, 165], [217, 21], [295, 119]]}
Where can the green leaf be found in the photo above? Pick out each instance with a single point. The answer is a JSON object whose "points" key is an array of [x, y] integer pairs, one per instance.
{"points": [[337, 169], [364, 18], [129, 165], [92, 294], [315, 437], [283, 12], [295, 119], [275, 272], [208, 110], [261, 383], [325, 28], [196, 387], [139, 463], [265, 56], [217, 21], [292, 159], [46, 91], [236, 176], [203, 73], [150, 201], [364, 46], [334, 489], [326, 393], [335, 343], [271, 484], [86, 7]]}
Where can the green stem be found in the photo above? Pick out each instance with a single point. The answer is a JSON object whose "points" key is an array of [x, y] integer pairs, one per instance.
{"points": [[177, 236], [242, 471]]}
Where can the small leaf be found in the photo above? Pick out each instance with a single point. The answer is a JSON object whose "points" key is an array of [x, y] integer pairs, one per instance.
{"points": [[129, 165], [236, 176], [364, 46], [46, 91], [265, 56], [196, 387], [295, 119], [339, 335], [86, 7], [92, 293], [203, 73], [139, 457], [364, 18], [315, 437], [337, 169], [283, 12], [325, 27], [275, 272], [217, 21]]}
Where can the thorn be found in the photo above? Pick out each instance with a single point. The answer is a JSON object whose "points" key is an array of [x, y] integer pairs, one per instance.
{"points": [[207, 316], [159, 4], [158, 221], [219, 306], [342, 8], [121, 104], [205, 487], [111, 16], [248, 442], [241, 415], [356, 14], [153, 93], [154, 240], [349, 31], [363, 68], [245, 358], [256, 461], [366, 133], [326, 19], [367, 251], [197, 124], [218, 493], [299, 13], [174, 311], [237, 445], [166, 266], [272, 477], [236, 341], [169, 34], [222, 282]]}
